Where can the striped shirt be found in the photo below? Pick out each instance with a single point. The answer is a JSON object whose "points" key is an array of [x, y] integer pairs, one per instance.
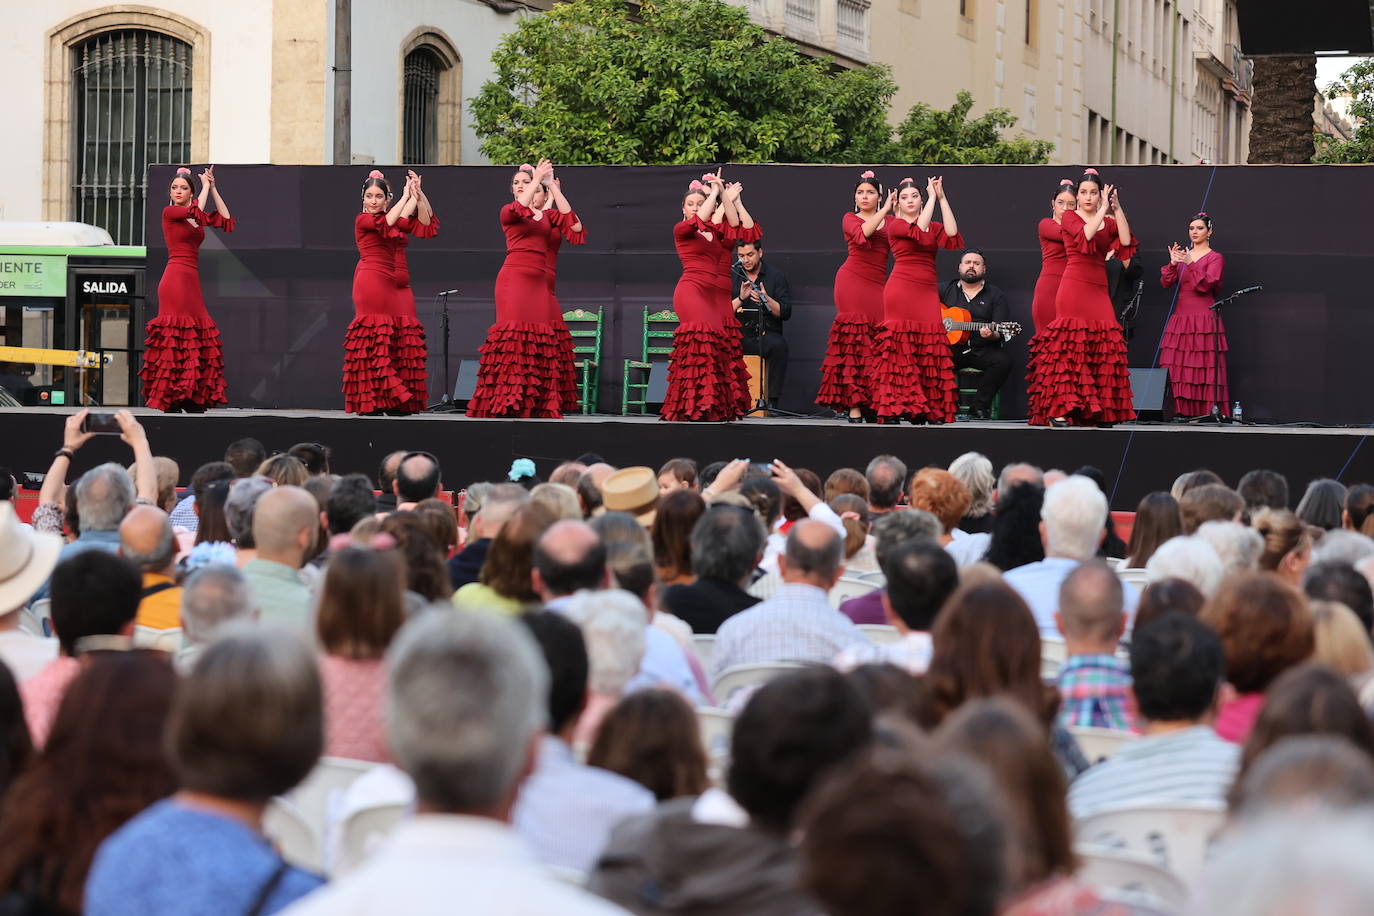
{"points": [[1096, 693], [1189, 765]]}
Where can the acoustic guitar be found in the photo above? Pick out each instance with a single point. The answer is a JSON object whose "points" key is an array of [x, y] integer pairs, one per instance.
{"points": [[959, 323]]}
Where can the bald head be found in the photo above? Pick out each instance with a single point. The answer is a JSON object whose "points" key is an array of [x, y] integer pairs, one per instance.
{"points": [[1091, 604], [386, 472], [498, 505], [568, 473], [568, 557], [417, 478], [284, 525], [147, 541], [812, 555], [599, 472]]}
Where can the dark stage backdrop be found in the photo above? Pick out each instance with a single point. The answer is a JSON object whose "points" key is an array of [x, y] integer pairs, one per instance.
{"points": [[279, 287]]}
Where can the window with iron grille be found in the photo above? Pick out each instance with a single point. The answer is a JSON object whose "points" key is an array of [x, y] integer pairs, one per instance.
{"points": [[423, 70], [132, 107]]}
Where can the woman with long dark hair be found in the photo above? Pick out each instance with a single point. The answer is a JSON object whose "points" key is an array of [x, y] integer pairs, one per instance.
{"points": [[1078, 374], [1156, 520], [849, 354], [914, 378], [183, 361], [384, 346], [1194, 346], [1053, 260]]}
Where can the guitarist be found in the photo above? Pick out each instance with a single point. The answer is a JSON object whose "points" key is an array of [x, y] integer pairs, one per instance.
{"points": [[984, 348]]}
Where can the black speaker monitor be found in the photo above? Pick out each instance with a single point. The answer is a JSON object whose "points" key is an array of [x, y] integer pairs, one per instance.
{"points": [[1150, 393]]}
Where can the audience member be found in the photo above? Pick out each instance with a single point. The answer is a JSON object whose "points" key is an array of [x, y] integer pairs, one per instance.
{"points": [[187, 512], [568, 558], [1359, 505], [568, 473], [1094, 684], [350, 502], [146, 541], [423, 558], [1261, 489], [944, 496], [894, 697], [920, 579], [1071, 527], [846, 480], [1156, 521], [677, 474], [1341, 546], [94, 595], [1188, 481], [1332, 581], [16, 747], [245, 727], [1287, 545], [284, 529], [653, 738], [633, 490], [496, 508], [239, 509], [1016, 528], [1304, 772], [1265, 628], [386, 480], [797, 623], [417, 478], [1211, 502], [1013, 475], [468, 701], [441, 524], [974, 471], [361, 608], [101, 766], [1237, 546], [1323, 505], [559, 499], [1342, 641], [726, 546], [211, 597], [506, 583], [732, 854], [1177, 679], [888, 531], [1168, 596], [313, 456], [885, 474], [283, 471], [27, 558], [860, 554], [1112, 545], [244, 456], [678, 512], [212, 525], [104, 495], [1187, 557]]}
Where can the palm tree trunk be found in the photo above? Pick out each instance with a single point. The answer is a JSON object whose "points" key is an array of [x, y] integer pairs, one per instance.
{"points": [[1282, 127]]}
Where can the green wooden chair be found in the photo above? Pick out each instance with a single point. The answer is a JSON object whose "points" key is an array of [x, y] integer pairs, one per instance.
{"points": [[967, 380], [657, 342], [585, 328]]}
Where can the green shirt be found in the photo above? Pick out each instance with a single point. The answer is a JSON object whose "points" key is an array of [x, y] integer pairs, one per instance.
{"points": [[283, 598]]}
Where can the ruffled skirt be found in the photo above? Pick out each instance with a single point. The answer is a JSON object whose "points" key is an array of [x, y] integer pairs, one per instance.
{"points": [[1078, 370], [850, 355], [1196, 374], [384, 364], [915, 376], [183, 363], [702, 384], [521, 372]]}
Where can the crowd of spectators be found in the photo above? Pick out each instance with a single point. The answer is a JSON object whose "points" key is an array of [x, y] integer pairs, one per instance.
{"points": [[710, 689]]}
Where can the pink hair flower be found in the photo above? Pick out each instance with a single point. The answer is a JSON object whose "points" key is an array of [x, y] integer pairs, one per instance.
{"points": [[905, 180], [183, 170], [526, 167], [867, 174], [696, 186], [1090, 171], [375, 173]]}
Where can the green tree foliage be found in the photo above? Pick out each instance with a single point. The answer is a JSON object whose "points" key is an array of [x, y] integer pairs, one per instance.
{"points": [[685, 81], [1358, 83], [930, 135]]}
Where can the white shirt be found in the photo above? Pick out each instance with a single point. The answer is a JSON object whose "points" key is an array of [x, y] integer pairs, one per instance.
{"points": [[1038, 583], [967, 549], [25, 654], [448, 863], [777, 541], [796, 625], [911, 653]]}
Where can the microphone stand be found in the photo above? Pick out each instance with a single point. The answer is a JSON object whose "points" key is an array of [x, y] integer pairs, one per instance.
{"points": [[761, 404], [445, 404], [1218, 413]]}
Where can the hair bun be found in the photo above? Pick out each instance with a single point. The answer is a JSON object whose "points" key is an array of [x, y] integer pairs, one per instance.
{"points": [[1090, 171], [376, 173], [183, 170]]}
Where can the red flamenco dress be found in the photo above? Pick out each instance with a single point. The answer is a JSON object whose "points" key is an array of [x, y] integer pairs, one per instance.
{"points": [[851, 352], [183, 362], [701, 382], [567, 383], [1197, 374], [384, 346], [914, 376], [1053, 260], [1078, 368], [524, 365], [734, 367]]}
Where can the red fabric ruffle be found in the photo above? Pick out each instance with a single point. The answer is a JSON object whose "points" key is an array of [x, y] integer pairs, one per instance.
{"points": [[915, 375], [215, 220], [745, 235], [564, 222], [1078, 370], [418, 229], [568, 395], [384, 364], [850, 356], [1196, 375], [183, 363], [699, 385], [519, 374]]}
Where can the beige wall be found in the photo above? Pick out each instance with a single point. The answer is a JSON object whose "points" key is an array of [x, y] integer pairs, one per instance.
{"points": [[934, 52], [300, 33]]}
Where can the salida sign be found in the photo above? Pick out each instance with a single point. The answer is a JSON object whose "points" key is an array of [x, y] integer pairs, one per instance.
{"points": [[107, 287]]}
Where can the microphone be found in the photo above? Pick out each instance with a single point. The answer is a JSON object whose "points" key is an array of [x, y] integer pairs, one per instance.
{"points": [[448, 292], [1247, 290]]}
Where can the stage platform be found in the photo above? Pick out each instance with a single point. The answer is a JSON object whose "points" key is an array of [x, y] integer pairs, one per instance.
{"points": [[1136, 458]]}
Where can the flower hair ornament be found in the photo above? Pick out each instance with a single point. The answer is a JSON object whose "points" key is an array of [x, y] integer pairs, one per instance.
{"points": [[520, 469], [526, 167], [1065, 182], [1202, 215], [377, 175], [1090, 171], [183, 172], [710, 177], [867, 174], [911, 181], [696, 186]]}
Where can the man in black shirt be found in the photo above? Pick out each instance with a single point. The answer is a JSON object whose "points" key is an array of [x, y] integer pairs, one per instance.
{"points": [[762, 291], [984, 348]]}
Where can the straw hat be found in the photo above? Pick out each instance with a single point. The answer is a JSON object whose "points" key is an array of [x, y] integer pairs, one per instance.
{"points": [[632, 490], [27, 558]]}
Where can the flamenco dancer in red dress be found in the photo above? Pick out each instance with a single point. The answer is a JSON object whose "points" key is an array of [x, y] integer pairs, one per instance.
{"points": [[525, 361], [702, 381], [384, 347], [1194, 334], [570, 230], [850, 353], [1053, 260], [1078, 373], [183, 365], [914, 375], [739, 227]]}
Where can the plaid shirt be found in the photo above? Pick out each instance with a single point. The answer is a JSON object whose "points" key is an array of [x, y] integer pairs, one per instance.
{"points": [[1094, 691]]}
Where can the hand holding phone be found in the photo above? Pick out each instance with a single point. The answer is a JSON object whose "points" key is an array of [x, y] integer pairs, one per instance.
{"points": [[100, 423]]}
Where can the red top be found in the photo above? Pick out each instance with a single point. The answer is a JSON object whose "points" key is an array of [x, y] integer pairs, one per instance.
{"points": [[374, 238], [528, 239], [565, 233], [184, 230], [914, 250], [409, 226], [699, 255], [867, 253], [1082, 250], [1052, 254], [1198, 282]]}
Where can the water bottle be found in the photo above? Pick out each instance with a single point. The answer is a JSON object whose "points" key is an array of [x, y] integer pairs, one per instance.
{"points": [[1236, 414]]}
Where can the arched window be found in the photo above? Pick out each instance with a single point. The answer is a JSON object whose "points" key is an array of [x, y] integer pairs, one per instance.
{"points": [[423, 70], [131, 107]]}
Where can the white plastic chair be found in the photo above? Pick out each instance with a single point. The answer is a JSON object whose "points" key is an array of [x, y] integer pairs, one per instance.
{"points": [[284, 825], [364, 831], [876, 578], [1130, 875], [1134, 575], [1053, 654], [37, 618], [847, 588], [1099, 744], [705, 644], [319, 792], [1116, 562], [168, 641], [716, 725], [1176, 837], [880, 634], [739, 677]]}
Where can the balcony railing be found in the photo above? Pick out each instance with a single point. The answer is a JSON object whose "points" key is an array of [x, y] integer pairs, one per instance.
{"points": [[1242, 70], [837, 27]]}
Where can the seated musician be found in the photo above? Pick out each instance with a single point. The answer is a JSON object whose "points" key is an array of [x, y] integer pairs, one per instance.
{"points": [[983, 348]]}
